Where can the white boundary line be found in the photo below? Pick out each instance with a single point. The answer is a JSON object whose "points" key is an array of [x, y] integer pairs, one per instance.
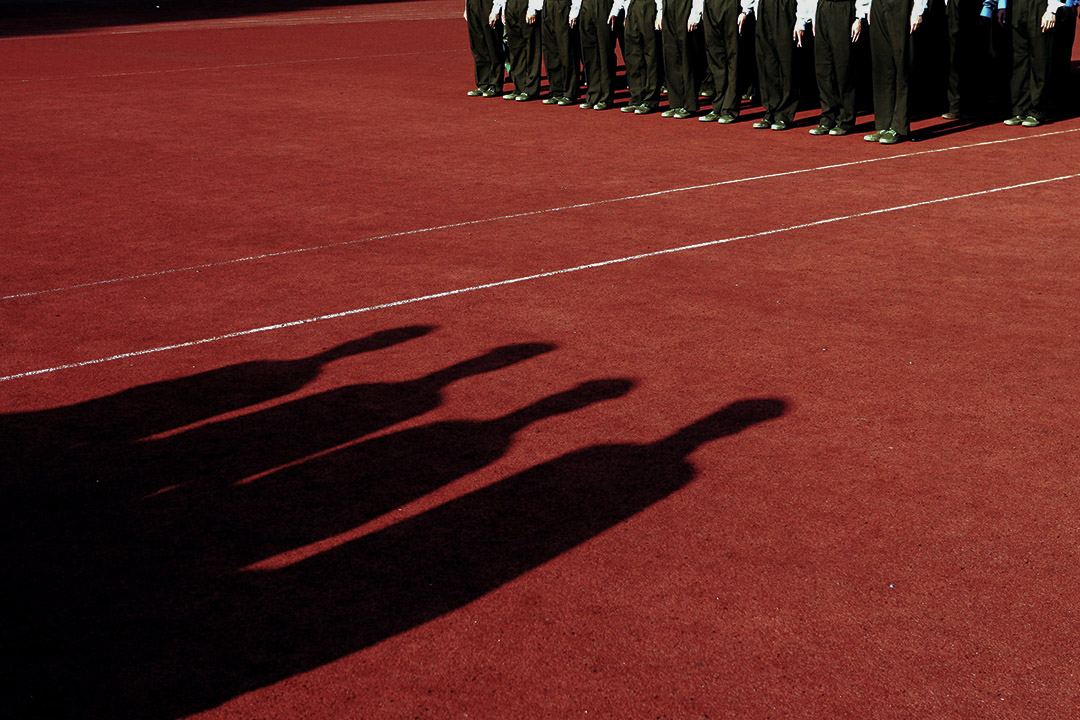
{"points": [[530, 213], [526, 278]]}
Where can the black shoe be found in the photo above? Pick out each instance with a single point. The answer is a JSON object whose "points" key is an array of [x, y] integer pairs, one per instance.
{"points": [[726, 118], [950, 115], [682, 114], [586, 106], [837, 131], [601, 106], [874, 136], [645, 109], [490, 92], [629, 108], [779, 125], [550, 100], [711, 116], [762, 124], [1031, 121], [475, 93], [525, 97], [1015, 120], [820, 130], [564, 101]]}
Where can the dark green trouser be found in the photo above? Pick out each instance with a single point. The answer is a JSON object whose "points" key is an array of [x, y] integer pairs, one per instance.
{"points": [[1031, 58], [643, 52], [776, 59], [890, 57], [832, 62], [523, 43], [561, 50], [597, 50], [486, 44], [721, 21]]}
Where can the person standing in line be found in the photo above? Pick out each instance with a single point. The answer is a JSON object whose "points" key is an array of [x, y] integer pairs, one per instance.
{"points": [[642, 51], [485, 42], [1032, 23], [1061, 57], [520, 17], [679, 21], [723, 22], [968, 54], [838, 25], [892, 23], [780, 24], [597, 51], [561, 56]]}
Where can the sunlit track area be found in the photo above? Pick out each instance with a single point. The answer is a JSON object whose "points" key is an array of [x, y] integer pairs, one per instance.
{"points": [[329, 391]]}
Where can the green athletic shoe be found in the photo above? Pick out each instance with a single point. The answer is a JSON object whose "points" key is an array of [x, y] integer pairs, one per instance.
{"points": [[890, 137]]}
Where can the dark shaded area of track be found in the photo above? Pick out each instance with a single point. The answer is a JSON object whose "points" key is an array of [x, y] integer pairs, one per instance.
{"points": [[133, 597]]}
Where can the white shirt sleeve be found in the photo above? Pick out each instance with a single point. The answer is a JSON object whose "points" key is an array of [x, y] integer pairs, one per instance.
{"points": [[659, 9], [697, 8], [919, 8], [497, 7], [619, 7], [575, 9], [862, 8], [535, 6], [804, 13], [1052, 6], [749, 7]]}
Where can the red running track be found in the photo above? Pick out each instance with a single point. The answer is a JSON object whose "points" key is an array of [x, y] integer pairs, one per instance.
{"points": [[329, 392]]}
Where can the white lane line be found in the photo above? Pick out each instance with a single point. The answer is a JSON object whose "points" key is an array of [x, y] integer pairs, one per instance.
{"points": [[537, 276], [530, 213], [243, 66]]}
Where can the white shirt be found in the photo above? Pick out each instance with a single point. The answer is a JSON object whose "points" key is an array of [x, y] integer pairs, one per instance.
{"points": [[1052, 6], [535, 6], [696, 8]]}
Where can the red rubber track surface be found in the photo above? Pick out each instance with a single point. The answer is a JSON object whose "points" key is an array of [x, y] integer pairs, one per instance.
{"points": [[330, 392]]}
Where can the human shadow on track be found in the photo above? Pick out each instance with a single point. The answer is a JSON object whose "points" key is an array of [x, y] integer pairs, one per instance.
{"points": [[236, 449], [102, 425], [163, 652], [230, 526], [88, 548]]}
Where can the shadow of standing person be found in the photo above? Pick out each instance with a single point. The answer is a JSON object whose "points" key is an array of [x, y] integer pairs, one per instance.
{"points": [[37, 443], [74, 528], [238, 448], [256, 628], [235, 525]]}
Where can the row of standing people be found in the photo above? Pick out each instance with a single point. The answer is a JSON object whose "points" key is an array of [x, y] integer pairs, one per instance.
{"points": [[661, 39]]}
